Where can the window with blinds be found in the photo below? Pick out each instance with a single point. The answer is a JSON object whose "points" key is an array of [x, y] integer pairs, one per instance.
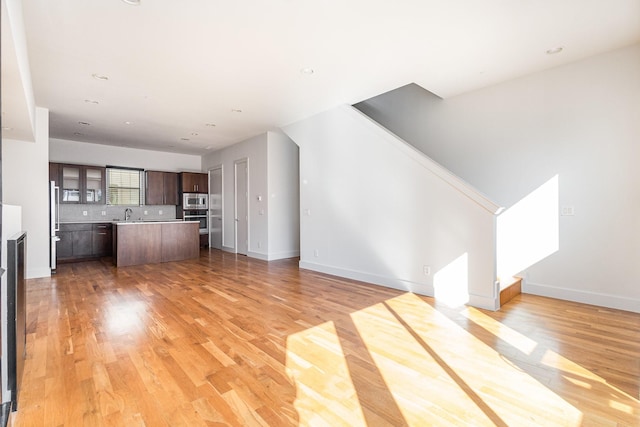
{"points": [[124, 186]]}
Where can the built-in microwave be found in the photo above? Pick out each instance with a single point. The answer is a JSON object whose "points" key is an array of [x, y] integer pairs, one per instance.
{"points": [[194, 201]]}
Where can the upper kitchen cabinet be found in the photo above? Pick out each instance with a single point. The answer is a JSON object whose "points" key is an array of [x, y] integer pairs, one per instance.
{"points": [[54, 173], [194, 182], [95, 184], [162, 188], [79, 183]]}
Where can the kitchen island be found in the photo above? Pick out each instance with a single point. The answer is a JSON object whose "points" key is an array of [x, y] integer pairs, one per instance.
{"points": [[143, 242]]}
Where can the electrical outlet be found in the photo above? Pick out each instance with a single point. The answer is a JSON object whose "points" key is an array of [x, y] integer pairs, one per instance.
{"points": [[146, 212], [159, 212], [84, 213], [567, 211], [103, 213], [316, 253], [426, 270], [259, 245]]}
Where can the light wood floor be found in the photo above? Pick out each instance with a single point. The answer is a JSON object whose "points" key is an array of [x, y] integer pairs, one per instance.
{"points": [[226, 340]]}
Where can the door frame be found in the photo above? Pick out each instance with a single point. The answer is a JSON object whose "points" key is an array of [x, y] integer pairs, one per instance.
{"points": [[244, 160], [216, 167]]}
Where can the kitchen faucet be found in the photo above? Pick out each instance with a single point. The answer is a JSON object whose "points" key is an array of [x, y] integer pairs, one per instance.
{"points": [[127, 214]]}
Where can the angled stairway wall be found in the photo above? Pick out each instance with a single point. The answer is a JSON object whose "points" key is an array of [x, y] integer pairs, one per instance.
{"points": [[570, 132], [375, 209]]}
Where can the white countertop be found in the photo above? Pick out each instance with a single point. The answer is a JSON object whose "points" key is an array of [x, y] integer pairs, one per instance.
{"points": [[135, 222], [122, 221]]}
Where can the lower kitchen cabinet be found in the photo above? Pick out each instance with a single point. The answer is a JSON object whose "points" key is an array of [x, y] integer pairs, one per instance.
{"points": [[101, 240], [82, 241]]}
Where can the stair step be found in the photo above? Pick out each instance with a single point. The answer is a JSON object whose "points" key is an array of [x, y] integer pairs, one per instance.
{"points": [[510, 290]]}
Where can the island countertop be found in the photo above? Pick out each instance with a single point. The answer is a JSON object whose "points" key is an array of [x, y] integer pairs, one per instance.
{"points": [[148, 242]]}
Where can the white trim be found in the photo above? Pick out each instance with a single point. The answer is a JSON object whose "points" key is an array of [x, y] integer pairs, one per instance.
{"points": [[235, 202], [585, 297], [284, 255], [486, 303], [479, 301], [39, 272], [228, 249], [258, 255], [274, 257], [221, 167], [374, 279]]}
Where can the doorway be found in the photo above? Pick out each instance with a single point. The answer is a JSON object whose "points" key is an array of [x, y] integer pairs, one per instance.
{"points": [[242, 206], [216, 211]]}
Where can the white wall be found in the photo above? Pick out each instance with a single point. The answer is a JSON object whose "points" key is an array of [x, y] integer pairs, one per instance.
{"points": [[273, 194], [580, 122], [374, 209], [255, 150], [25, 183], [62, 151], [284, 196]]}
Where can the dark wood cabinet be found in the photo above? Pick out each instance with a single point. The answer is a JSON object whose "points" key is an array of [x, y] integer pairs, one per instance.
{"points": [[141, 243], [54, 173], [161, 188], [79, 183], [154, 194], [81, 241], [64, 247], [101, 240], [191, 182], [171, 188]]}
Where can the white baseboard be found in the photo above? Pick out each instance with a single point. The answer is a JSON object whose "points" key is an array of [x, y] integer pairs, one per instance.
{"points": [[486, 303], [258, 255], [284, 255], [586, 297], [479, 301], [36, 273], [273, 257], [389, 282], [229, 249]]}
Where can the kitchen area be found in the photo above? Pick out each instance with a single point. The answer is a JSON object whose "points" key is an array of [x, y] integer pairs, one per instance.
{"points": [[133, 216]]}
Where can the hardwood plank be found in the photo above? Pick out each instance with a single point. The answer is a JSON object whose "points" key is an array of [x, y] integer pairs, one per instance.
{"points": [[230, 340]]}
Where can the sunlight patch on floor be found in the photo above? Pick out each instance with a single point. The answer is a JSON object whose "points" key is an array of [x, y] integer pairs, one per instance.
{"points": [[512, 394], [325, 393], [572, 373], [514, 338], [421, 388]]}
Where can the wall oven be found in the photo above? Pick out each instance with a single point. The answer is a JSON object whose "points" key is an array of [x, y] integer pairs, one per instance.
{"points": [[197, 215], [194, 201]]}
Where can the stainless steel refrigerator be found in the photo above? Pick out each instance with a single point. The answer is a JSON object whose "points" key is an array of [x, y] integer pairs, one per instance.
{"points": [[54, 221]]}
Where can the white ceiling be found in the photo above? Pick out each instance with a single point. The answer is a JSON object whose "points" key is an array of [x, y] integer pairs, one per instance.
{"points": [[176, 66]]}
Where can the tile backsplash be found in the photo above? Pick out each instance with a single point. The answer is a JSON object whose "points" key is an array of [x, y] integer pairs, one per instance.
{"points": [[73, 212]]}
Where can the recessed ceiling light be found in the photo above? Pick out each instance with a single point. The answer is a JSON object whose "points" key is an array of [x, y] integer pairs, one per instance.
{"points": [[127, 123], [307, 70], [84, 123], [211, 125], [194, 133], [91, 101], [184, 139], [100, 77], [555, 50], [236, 110], [209, 147], [132, 2]]}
